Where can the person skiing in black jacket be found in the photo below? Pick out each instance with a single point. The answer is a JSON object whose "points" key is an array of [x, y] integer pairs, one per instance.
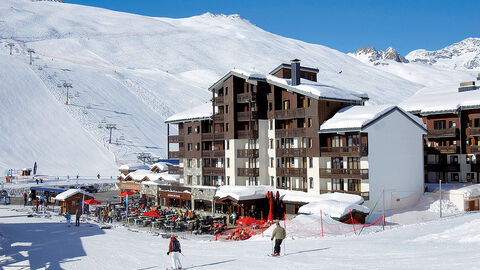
{"points": [[173, 249]]}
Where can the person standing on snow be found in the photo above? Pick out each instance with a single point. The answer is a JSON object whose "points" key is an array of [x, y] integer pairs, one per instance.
{"points": [[279, 235], [173, 250], [78, 214], [68, 217]]}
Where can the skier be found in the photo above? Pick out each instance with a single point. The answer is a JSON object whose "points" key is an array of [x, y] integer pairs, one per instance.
{"points": [[68, 217], [173, 250], [78, 214], [279, 235]]}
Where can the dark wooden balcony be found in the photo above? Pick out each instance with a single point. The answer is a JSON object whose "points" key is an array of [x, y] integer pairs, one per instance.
{"points": [[248, 172], [218, 117], [209, 136], [287, 114], [247, 153], [214, 171], [473, 149], [442, 133], [173, 154], [292, 172], [219, 100], [246, 116], [175, 139], [247, 134], [451, 149], [442, 167], [474, 131], [290, 132], [213, 154], [245, 98], [291, 152], [347, 151], [344, 173], [172, 169]]}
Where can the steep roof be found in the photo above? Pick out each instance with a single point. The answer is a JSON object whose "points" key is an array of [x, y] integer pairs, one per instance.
{"points": [[202, 112], [69, 193], [441, 99], [357, 118], [250, 76]]}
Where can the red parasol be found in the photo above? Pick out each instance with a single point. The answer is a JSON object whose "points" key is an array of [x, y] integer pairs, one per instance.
{"points": [[91, 201], [126, 193], [247, 221], [151, 214], [270, 202]]}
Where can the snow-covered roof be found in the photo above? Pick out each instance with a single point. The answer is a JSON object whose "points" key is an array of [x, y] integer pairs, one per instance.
{"points": [[441, 99], [468, 192], [332, 208], [241, 193], [317, 90], [139, 175], [133, 167], [201, 112], [69, 193], [356, 118], [154, 182], [251, 76], [160, 165]]}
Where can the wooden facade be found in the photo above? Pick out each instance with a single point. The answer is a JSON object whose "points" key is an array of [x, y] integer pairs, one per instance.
{"points": [[74, 203]]}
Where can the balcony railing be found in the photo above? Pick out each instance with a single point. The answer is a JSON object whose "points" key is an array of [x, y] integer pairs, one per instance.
{"points": [[218, 117], [209, 136], [247, 134], [248, 172], [344, 173], [293, 113], [292, 172], [247, 153], [246, 116], [442, 167], [474, 131], [290, 132], [175, 139], [245, 98], [344, 151], [291, 152], [442, 133], [473, 149], [173, 154], [219, 100], [175, 170], [214, 171], [451, 149], [211, 154]]}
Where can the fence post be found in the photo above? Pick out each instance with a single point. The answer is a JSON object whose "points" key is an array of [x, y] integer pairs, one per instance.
{"points": [[321, 220], [353, 223]]}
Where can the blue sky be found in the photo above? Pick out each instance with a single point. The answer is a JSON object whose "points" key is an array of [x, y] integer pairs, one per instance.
{"points": [[405, 25]]}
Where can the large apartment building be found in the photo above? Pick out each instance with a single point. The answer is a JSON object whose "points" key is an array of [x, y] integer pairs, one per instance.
{"points": [[263, 129], [452, 116]]}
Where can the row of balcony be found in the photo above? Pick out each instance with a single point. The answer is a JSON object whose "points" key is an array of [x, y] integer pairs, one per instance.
{"points": [[291, 152], [450, 149], [442, 167], [442, 133], [247, 153], [292, 172], [290, 132], [248, 172], [288, 114], [213, 154], [247, 116], [213, 171], [247, 134], [344, 151], [172, 169], [344, 173]]}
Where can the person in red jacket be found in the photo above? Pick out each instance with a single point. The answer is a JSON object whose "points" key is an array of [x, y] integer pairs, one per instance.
{"points": [[173, 250]]}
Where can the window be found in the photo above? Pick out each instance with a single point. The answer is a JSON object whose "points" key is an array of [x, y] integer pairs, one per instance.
{"points": [[270, 105], [328, 103], [311, 182], [309, 122], [310, 143], [226, 91], [271, 124], [228, 162], [476, 122], [226, 109], [197, 146], [337, 163], [189, 180], [310, 161], [309, 102], [337, 141], [286, 104], [455, 177], [197, 129], [439, 124], [353, 163], [271, 162], [228, 144], [228, 180], [304, 142], [271, 143], [354, 184], [452, 124], [189, 147], [226, 127], [272, 181], [189, 130], [189, 163], [198, 180], [337, 184], [199, 163], [353, 140]]}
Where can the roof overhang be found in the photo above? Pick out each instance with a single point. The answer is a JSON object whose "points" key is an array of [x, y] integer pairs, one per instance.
{"points": [[250, 79], [193, 119], [285, 65]]}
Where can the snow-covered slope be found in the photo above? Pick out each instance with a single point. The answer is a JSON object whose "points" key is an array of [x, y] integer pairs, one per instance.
{"points": [[135, 71], [35, 127]]}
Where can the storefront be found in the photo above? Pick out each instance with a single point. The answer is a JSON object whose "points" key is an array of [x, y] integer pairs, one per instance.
{"points": [[175, 196], [149, 190], [203, 198], [127, 185]]}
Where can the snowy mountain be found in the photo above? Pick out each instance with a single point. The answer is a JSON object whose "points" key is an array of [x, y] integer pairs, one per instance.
{"points": [[135, 71], [370, 54], [461, 55]]}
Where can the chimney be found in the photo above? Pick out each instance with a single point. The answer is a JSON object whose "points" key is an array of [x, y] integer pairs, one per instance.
{"points": [[295, 64]]}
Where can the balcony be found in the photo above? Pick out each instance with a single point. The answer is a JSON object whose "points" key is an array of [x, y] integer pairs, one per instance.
{"points": [[473, 149], [209, 136], [348, 151], [175, 139], [474, 131], [287, 114], [247, 134], [291, 152], [219, 100], [173, 154], [292, 172], [244, 98], [246, 116], [213, 154], [247, 153], [442, 167], [451, 149], [175, 170], [442, 133], [248, 172], [214, 171], [218, 117], [290, 132], [344, 173]]}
